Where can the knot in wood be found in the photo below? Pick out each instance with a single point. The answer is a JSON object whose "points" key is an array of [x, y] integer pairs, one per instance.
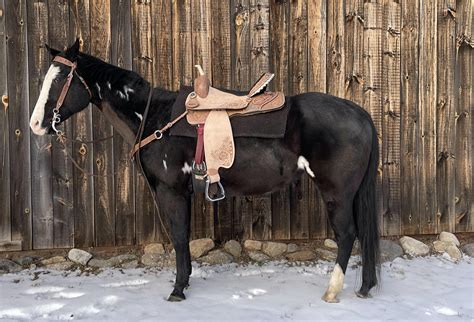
{"points": [[83, 150]]}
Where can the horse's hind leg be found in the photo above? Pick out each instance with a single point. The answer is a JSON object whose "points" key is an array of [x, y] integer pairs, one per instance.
{"points": [[342, 222]]}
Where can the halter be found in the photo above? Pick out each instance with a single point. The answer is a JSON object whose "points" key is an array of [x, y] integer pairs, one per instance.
{"points": [[62, 96]]}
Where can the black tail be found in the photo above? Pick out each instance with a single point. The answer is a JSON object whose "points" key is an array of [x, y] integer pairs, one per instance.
{"points": [[366, 218]]}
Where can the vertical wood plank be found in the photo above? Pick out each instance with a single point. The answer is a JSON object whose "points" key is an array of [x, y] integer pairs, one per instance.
{"points": [[41, 179], [391, 119], [279, 39], [335, 48], [18, 113], [464, 117], [182, 44], [82, 130], [201, 55], [427, 111], [445, 123], [5, 219], [354, 51], [373, 81], [317, 29], [221, 78], [63, 198], [143, 64], [121, 55], [298, 71], [409, 171], [103, 151], [259, 63], [240, 54]]}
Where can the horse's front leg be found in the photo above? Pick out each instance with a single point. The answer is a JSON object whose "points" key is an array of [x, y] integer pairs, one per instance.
{"points": [[176, 209]]}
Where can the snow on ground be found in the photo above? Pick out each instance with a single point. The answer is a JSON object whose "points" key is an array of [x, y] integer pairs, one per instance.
{"points": [[431, 288]]}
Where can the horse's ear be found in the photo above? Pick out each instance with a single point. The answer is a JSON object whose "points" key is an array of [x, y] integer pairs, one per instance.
{"points": [[53, 52], [73, 51]]}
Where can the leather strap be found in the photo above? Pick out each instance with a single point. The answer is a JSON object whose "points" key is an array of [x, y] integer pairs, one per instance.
{"points": [[66, 86], [199, 156], [157, 135]]}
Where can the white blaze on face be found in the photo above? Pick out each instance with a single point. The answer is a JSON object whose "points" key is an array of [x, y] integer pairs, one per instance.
{"points": [[39, 111]]}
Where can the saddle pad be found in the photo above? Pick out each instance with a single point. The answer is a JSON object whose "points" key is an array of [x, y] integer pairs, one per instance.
{"points": [[242, 126]]}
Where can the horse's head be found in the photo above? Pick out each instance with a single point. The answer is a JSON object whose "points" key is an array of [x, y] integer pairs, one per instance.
{"points": [[63, 93]]}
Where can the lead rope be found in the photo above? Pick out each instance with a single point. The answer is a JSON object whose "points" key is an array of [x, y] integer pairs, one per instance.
{"points": [[138, 160]]}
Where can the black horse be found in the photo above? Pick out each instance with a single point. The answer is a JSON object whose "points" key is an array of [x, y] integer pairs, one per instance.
{"points": [[332, 139]]}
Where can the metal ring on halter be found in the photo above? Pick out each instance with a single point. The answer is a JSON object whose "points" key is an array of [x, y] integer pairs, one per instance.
{"points": [[158, 134], [56, 120]]}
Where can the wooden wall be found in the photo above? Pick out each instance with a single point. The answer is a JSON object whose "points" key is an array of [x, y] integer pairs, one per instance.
{"points": [[408, 62]]}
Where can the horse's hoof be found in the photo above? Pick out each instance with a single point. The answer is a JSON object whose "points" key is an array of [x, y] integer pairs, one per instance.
{"points": [[363, 295], [176, 297], [330, 298]]}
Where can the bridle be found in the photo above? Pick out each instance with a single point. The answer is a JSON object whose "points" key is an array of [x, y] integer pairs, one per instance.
{"points": [[56, 116]]}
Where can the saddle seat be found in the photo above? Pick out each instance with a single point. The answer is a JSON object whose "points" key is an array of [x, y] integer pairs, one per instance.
{"points": [[210, 109]]}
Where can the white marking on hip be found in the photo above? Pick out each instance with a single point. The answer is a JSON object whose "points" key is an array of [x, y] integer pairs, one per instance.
{"points": [[335, 284], [109, 85], [139, 116], [186, 168], [304, 165], [38, 112], [165, 165]]}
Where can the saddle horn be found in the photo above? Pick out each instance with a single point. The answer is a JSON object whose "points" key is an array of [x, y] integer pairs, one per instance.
{"points": [[201, 83]]}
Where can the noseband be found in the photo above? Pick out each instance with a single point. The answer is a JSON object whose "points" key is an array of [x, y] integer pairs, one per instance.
{"points": [[62, 96]]}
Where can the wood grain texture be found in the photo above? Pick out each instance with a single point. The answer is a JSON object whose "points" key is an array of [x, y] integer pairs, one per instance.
{"points": [[18, 116], [391, 118], [121, 55], [104, 201], [409, 170], [5, 216], [142, 52], [84, 222], [445, 118], [41, 169], [464, 115], [259, 25], [427, 87], [335, 51], [182, 44], [373, 82]]}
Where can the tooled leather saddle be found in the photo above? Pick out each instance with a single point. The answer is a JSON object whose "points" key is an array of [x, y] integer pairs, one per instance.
{"points": [[209, 110]]}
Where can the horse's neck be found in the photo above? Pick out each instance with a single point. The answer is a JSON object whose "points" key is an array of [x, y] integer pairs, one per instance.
{"points": [[121, 95]]}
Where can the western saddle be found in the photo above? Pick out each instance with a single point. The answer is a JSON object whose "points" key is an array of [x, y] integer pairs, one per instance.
{"points": [[210, 109]]}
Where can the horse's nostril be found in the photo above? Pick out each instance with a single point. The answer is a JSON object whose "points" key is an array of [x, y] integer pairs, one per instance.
{"points": [[36, 123]]}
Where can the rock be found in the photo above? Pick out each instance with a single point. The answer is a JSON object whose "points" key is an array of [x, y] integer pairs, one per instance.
{"points": [[292, 248], [325, 254], [233, 247], [258, 256], [274, 249], [200, 247], [8, 266], [113, 261], [217, 257], [449, 237], [414, 247], [454, 252], [24, 261], [53, 260], [329, 243], [250, 244], [62, 266], [152, 260], [155, 248], [468, 249], [79, 256], [441, 246], [389, 250], [302, 255], [132, 264]]}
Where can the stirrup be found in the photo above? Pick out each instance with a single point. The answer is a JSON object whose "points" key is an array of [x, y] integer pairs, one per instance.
{"points": [[221, 188]]}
